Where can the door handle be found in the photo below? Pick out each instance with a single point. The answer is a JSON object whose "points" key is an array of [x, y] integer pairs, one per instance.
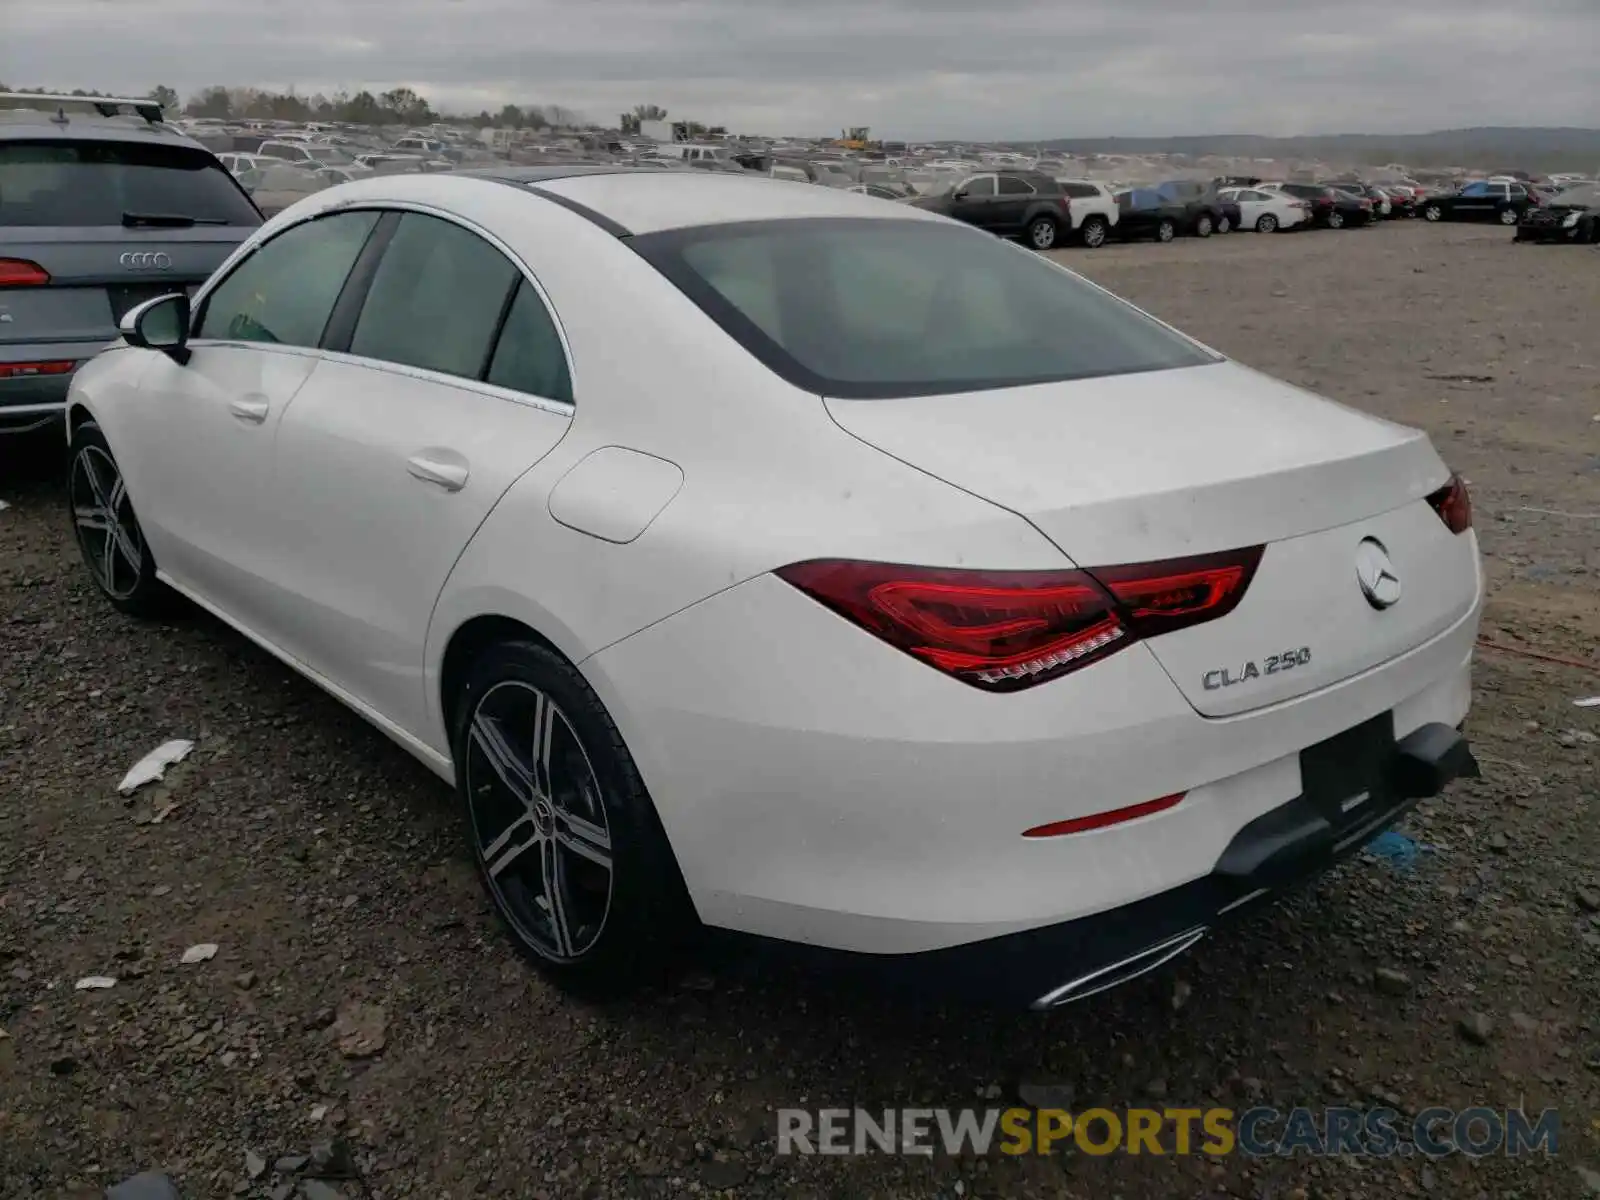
{"points": [[252, 408], [451, 476]]}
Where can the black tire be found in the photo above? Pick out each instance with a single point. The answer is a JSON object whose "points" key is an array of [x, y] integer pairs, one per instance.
{"points": [[1204, 226], [107, 529], [1043, 233], [1094, 232], [1433, 212], [1266, 223], [1165, 231], [612, 943]]}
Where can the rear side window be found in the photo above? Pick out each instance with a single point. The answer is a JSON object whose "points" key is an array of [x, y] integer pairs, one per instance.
{"points": [[64, 183], [1080, 191], [1010, 185], [529, 357], [435, 299], [285, 291], [875, 309]]}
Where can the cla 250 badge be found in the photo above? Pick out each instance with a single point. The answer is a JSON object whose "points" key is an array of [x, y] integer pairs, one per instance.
{"points": [[1272, 664]]}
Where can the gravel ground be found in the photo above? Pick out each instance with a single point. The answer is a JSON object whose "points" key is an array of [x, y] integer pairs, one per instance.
{"points": [[361, 991]]}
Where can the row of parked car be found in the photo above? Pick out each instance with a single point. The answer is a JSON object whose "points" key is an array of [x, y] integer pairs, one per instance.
{"points": [[1048, 212]]}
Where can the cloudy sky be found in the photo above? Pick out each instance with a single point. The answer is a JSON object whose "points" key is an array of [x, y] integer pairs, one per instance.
{"points": [[908, 68]]}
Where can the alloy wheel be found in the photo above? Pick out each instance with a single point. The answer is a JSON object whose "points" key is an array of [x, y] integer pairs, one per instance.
{"points": [[1094, 234], [1224, 225], [539, 821], [1266, 223], [1336, 220], [1043, 234], [103, 521], [1165, 231], [1433, 212], [1203, 227], [1508, 216]]}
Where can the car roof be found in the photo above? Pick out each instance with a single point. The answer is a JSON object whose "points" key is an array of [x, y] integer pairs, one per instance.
{"points": [[639, 200], [80, 122]]}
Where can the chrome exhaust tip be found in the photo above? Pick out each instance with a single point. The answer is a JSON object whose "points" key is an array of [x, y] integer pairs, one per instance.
{"points": [[1121, 971]]}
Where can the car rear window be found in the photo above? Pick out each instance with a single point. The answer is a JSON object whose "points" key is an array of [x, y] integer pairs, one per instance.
{"points": [[867, 309], [95, 183]]}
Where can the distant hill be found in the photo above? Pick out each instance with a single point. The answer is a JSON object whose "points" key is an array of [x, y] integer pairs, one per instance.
{"points": [[1494, 148]]}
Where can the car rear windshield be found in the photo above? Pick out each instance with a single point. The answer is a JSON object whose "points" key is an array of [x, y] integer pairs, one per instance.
{"points": [[867, 309], [95, 183]]}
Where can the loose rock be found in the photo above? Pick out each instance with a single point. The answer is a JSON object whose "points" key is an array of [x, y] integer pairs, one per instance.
{"points": [[333, 1158], [1476, 1027], [362, 1030], [1391, 981]]}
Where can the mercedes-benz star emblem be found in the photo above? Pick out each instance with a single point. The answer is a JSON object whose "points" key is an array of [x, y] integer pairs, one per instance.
{"points": [[1375, 572]]}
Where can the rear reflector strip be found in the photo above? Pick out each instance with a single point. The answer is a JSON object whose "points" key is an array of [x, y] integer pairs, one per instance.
{"points": [[1100, 820], [26, 370]]}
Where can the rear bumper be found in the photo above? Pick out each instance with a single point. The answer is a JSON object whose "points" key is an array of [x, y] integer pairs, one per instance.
{"points": [[32, 402], [1547, 233], [1356, 785], [823, 790]]}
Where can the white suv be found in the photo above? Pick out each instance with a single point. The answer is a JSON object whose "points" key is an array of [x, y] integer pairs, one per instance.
{"points": [[1093, 209]]}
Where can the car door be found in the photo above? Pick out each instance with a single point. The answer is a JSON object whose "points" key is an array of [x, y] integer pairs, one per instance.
{"points": [[973, 201], [199, 461], [1471, 203], [1135, 214], [1010, 206], [437, 391]]}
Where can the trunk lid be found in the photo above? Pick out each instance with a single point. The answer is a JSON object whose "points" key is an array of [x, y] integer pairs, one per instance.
{"points": [[1167, 464], [98, 273]]}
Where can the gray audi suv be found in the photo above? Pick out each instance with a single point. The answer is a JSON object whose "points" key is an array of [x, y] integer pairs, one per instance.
{"points": [[102, 205]]}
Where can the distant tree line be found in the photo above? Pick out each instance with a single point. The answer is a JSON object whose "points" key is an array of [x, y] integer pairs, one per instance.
{"points": [[400, 106]]}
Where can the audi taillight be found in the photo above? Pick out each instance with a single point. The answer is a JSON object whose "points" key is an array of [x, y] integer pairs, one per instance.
{"points": [[1008, 630], [1453, 503], [19, 272]]}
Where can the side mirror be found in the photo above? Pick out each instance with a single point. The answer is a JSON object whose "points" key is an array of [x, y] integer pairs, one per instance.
{"points": [[960, 194], [160, 324]]}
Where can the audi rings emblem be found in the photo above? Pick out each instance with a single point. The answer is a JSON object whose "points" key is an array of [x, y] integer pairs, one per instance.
{"points": [[146, 260]]}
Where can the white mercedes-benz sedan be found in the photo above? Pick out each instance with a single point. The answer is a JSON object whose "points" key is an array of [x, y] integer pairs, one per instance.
{"points": [[760, 557]]}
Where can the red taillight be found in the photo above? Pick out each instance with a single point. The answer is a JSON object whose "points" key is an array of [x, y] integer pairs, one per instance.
{"points": [[21, 370], [1100, 820], [1453, 503], [19, 272], [1007, 630]]}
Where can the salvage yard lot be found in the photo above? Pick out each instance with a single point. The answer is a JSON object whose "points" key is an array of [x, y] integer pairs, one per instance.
{"points": [[331, 871]]}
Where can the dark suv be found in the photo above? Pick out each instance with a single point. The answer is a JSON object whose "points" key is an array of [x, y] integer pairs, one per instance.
{"points": [[102, 205], [1023, 204]]}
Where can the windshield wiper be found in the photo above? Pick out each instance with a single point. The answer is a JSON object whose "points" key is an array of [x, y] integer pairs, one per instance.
{"points": [[134, 220]]}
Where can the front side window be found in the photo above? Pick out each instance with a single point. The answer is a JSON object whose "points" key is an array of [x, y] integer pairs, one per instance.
{"points": [[435, 299], [982, 185], [874, 309], [285, 291]]}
